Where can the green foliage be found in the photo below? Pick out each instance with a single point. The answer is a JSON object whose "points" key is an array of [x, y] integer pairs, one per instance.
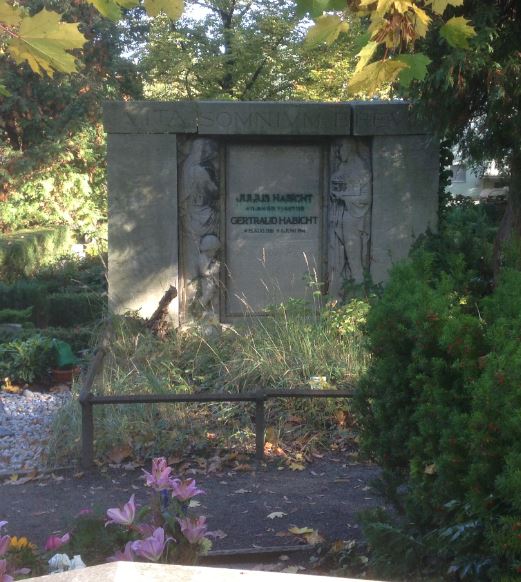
{"points": [[440, 407], [23, 253], [27, 360], [16, 315], [69, 309], [25, 294]]}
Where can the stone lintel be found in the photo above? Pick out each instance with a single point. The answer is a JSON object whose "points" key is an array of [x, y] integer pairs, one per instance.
{"points": [[273, 118], [150, 117], [384, 118], [227, 117]]}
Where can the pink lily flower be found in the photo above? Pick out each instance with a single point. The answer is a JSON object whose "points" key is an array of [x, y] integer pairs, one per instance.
{"points": [[146, 529], [184, 490], [4, 544], [124, 515], [194, 530], [54, 542], [159, 478], [127, 555], [4, 576], [151, 548]]}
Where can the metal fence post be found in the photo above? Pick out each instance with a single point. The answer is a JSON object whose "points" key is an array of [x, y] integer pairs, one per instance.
{"points": [[260, 426], [87, 434]]}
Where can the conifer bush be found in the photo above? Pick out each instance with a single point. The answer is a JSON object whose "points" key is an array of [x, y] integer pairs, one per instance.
{"points": [[440, 409]]}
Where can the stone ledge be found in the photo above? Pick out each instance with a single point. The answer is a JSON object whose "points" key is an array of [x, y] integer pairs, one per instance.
{"points": [[384, 118], [139, 572]]}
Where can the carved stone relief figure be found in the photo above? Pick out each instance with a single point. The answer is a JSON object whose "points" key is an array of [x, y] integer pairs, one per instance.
{"points": [[350, 200], [199, 209]]}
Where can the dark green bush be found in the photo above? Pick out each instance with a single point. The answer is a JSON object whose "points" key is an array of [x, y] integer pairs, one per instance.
{"points": [[70, 309], [24, 294], [440, 409], [16, 315], [23, 253]]}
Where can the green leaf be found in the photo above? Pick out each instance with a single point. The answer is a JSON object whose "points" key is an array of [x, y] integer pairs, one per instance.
{"points": [[3, 91], [9, 14], [375, 76], [42, 41], [172, 8], [366, 54], [457, 32], [439, 6], [416, 70], [107, 8], [128, 3], [316, 8], [326, 29]]}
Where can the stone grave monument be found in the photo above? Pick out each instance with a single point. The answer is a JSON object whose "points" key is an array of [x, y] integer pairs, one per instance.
{"points": [[242, 204]]}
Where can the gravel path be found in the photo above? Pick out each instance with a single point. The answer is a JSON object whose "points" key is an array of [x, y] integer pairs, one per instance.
{"points": [[25, 421]]}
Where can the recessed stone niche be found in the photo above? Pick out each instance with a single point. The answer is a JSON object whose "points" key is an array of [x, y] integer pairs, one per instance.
{"points": [[242, 205]]}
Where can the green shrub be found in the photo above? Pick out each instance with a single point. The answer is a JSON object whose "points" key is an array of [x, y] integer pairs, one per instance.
{"points": [[24, 294], [27, 360], [69, 309], [24, 252], [440, 409], [16, 315]]}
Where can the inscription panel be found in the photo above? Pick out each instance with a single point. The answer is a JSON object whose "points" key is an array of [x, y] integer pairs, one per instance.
{"points": [[273, 224], [149, 117], [245, 118]]}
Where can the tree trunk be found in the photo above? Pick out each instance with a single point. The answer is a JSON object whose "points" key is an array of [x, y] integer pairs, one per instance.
{"points": [[510, 227]]}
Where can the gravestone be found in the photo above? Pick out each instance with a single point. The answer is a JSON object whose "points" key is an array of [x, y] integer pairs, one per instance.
{"points": [[241, 205]]}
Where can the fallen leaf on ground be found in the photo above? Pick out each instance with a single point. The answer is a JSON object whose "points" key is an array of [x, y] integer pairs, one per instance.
{"points": [[243, 491], [275, 514], [219, 534], [296, 466], [194, 503], [119, 454], [298, 531], [243, 467]]}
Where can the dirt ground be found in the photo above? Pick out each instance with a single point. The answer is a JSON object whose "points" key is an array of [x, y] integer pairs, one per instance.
{"points": [[325, 496]]}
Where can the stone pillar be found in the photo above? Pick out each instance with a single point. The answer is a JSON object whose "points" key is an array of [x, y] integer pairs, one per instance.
{"points": [[143, 240], [405, 197]]}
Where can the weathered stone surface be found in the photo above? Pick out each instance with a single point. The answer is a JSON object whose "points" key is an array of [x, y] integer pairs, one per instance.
{"points": [[199, 227], [137, 572], [405, 197], [257, 118], [273, 223], [143, 248], [149, 117], [383, 118], [349, 213]]}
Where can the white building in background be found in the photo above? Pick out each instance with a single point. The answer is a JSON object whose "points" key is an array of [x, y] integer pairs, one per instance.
{"points": [[488, 185]]}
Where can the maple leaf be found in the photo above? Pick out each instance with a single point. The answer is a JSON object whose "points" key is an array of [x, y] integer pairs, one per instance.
{"points": [[374, 76], [366, 54], [9, 14], [326, 29], [111, 8], [457, 32], [43, 40], [416, 68], [172, 8], [439, 6]]}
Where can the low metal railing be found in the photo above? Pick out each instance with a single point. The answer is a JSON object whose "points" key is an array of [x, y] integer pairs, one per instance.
{"points": [[88, 400]]}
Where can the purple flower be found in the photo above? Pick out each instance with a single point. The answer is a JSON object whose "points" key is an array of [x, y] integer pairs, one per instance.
{"points": [[4, 576], [127, 555], [4, 544], [194, 530], [124, 515], [159, 478], [54, 542], [184, 490], [151, 548]]}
